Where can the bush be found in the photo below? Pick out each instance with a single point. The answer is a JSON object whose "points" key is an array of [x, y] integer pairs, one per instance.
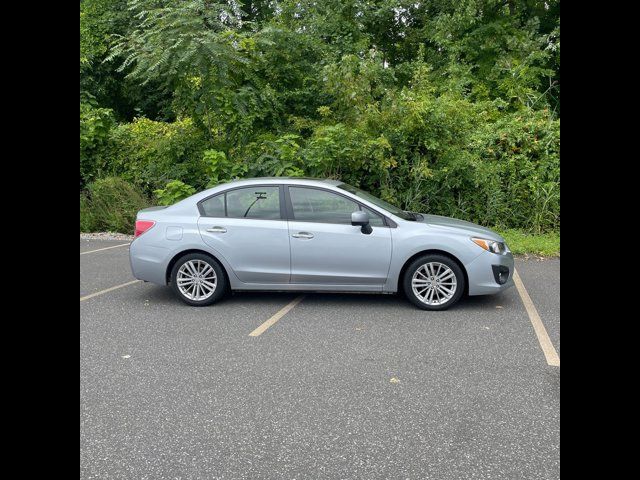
{"points": [[149, 154], [110, 205], [95, 127], [425, 150], [220, 169], [432, 152], [173, 192], [86, 218]]}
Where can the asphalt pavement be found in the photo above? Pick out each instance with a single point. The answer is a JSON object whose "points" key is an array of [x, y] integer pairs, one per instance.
{"points": [[341, 386]]}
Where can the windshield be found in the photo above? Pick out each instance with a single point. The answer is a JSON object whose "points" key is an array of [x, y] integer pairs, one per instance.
{"points": [[377, 201]]}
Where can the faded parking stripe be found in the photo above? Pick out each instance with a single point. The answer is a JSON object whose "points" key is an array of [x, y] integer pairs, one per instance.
{"points": [[548, 349], [281, 313], [87, 297], [105, 248]]}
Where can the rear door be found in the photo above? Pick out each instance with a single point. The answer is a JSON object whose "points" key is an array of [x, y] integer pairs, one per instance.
{"points": [[326, 249], [247, 226]]}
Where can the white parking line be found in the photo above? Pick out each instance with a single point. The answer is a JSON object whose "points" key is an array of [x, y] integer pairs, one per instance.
{"points": [[105, 248], [281, 313], [87, 297], [548, 349]]}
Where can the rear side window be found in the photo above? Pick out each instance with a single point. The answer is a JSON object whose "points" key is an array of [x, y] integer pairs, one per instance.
{"points": [[214, 206], [254, 202], [251, 202]]}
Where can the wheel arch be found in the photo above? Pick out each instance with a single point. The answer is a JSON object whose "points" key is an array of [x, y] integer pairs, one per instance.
{"points": [[181, 254], [436, 252]]}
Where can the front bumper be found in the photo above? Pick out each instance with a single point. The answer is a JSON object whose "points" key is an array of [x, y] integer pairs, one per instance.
{"points": [[483, 270]]}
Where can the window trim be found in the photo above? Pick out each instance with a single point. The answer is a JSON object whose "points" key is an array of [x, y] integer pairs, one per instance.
{"points": [[388, 223], [281, 198]]}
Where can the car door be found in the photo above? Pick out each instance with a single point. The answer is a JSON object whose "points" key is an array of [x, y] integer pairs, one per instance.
{"points": [[326, 249], [246, 225]]}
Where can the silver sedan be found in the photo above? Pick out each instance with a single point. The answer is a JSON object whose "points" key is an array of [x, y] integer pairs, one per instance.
{"points": [[301, 234]]}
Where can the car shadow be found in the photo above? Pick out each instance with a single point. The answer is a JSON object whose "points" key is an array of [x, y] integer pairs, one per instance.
{"points": [[164, 296]]}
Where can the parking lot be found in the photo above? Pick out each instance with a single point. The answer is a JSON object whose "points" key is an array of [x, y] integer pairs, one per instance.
{"points": [[337, 386]]}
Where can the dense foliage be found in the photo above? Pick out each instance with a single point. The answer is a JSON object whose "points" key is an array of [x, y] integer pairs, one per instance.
{"points": [[441, 106], [110, 204]]}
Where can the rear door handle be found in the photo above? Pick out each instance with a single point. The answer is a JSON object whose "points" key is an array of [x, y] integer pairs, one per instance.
{"points": [[302, 235], [217, 230]]}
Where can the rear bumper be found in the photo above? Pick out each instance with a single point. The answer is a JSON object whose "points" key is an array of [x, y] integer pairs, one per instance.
{"points": [[148, 262], [483, 273]]}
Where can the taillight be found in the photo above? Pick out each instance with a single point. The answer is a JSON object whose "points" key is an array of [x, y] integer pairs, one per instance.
{"points": [[142, 226]]}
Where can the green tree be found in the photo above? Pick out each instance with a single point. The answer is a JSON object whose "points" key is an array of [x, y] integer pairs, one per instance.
{"points": [[443, 106], [100, 21]]}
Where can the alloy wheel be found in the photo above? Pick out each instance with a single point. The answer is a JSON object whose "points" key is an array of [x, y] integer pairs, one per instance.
{"points": [[196, 280], [434, 283]]}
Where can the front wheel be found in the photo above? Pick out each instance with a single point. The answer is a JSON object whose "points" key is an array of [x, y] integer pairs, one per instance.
{"points": [[198, 279], [433, 282]]}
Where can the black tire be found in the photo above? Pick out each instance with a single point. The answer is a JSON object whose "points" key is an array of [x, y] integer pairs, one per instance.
{"points": [[425, 259], [222, 283]]}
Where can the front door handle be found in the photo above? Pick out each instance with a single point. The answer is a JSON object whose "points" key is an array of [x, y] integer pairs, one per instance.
{"points": [[302, 235], [217, 230]]}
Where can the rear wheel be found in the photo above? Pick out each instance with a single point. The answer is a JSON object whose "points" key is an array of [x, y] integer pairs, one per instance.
{"points": [[433, 282], [198, 279]]}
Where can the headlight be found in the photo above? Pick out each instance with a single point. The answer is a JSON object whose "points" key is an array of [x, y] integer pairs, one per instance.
{"points": [[490, 245]]}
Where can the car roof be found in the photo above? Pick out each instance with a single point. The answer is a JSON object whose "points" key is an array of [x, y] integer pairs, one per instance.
{"points": [[185, 206], [294, 180], [261, 181]]}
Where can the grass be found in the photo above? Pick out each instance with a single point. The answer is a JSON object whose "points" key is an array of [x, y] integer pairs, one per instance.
{"points": [[521, 242]]}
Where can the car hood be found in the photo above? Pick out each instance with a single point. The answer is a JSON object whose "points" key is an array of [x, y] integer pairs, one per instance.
{"points": [[460, 225]]}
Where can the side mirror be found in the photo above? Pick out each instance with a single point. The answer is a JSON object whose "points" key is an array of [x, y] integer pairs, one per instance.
{"points": [[361, 218]]}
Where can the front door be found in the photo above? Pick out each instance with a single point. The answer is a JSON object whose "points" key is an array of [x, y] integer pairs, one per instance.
{"points": [[326, 249]]}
